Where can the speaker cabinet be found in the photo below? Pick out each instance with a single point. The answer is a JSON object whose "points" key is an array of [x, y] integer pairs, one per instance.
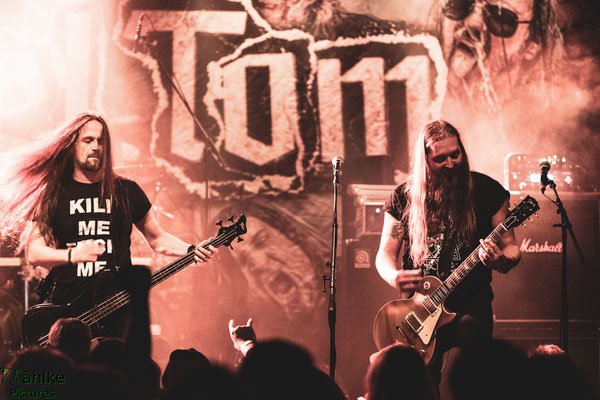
{"points": [[360, 294], [532, 290]]}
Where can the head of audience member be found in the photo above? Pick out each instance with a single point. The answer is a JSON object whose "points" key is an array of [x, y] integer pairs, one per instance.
{"points": [[184, 367], [71, 336], [150, 378], [95, 382], [110, 353], [398, 372], [107, 351], [277, 369], [492, 370], [210, 382], [554, 375]]}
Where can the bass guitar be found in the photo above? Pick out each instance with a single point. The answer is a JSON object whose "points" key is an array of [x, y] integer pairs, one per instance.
{"points": [[39, 318], [415, 321]]}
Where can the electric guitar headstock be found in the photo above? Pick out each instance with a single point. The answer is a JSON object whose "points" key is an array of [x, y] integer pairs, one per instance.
{"points": [[521, 212]]}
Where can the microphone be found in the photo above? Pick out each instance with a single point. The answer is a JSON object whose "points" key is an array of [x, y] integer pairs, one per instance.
{"points": [[138, 31], [337, 164], [544, 168]]}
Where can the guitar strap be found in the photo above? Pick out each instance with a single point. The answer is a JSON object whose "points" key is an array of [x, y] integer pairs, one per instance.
{"points": [[445, 260]]}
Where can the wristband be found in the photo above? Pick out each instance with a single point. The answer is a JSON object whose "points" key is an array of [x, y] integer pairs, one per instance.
{"points": [[247, 345], [69, 255]]}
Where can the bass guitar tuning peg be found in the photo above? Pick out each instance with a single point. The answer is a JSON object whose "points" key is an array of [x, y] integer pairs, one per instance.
{"points": [[230, 246], [230, 219], [220, 223], [240, 239]]}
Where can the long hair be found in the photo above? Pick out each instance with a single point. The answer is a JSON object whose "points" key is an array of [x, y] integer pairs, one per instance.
{"points": [[416, 213], [33, 177]]}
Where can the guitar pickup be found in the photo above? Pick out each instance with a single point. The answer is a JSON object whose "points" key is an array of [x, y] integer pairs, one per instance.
{"points": [[413, 322], [430, 306]]}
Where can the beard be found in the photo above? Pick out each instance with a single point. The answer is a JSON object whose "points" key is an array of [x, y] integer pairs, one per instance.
{"points": [[91, 164], [446, 199]]}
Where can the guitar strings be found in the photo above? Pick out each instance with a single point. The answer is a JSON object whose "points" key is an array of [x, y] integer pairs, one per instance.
{"points": [[119, 299], [440, 294], [430, 304]]}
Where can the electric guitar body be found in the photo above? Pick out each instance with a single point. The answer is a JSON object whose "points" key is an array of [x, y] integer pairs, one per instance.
{"points": [[394, 322]]}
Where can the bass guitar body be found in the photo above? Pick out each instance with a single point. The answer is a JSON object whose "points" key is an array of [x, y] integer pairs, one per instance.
{"points": [[39, 318], [411, 322]]}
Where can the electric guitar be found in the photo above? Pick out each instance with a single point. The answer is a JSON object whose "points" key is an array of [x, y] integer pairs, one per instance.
{"points": [[39, 318], [415, 321]]}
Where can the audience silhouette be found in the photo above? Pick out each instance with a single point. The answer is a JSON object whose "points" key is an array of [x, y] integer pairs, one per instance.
{"points": [[398, 372], [492, 369], [555, 376], [72, 337], [119, 369]]}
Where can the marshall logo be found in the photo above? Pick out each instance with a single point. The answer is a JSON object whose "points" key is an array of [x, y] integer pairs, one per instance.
{"points": [[528, 247]]}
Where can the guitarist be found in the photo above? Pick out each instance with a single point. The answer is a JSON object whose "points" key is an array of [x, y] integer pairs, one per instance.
{"points": [[73, 213], [433, 221]]}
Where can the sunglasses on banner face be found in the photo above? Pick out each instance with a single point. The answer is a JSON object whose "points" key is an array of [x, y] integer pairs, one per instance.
{"points": [[500, 21]]}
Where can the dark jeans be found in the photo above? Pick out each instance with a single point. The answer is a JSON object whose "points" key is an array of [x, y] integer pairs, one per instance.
{"points": [[471, 327]]}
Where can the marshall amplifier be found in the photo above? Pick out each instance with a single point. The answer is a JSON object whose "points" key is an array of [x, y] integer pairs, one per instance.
{"points": [[532, 290]]}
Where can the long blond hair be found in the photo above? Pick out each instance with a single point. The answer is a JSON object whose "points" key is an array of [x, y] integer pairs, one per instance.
{"points": [[33, 176], [416, 212]]}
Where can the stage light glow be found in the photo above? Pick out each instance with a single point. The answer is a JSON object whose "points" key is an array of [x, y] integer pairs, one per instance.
{"points": [[21, 83]]}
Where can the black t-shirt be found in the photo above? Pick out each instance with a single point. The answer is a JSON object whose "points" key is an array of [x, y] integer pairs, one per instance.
{"points": [[475, 290], [81, 214]]}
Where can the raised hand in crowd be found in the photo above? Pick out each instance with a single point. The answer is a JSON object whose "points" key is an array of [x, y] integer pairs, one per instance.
{"points": [[242, 336]]}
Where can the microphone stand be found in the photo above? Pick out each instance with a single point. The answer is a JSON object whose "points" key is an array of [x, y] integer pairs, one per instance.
{"points": [[210, 148], [565, 226], [331, 264]]}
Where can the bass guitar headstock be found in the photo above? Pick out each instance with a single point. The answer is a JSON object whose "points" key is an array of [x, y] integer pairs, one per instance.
{"points": [[228, 233]]}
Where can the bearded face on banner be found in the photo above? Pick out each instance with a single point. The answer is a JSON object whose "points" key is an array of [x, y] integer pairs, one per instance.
{"points": [[496, 48]]}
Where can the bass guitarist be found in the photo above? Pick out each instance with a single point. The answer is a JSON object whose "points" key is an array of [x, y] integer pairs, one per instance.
{"points": [[436, 219], [73, 213]]}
